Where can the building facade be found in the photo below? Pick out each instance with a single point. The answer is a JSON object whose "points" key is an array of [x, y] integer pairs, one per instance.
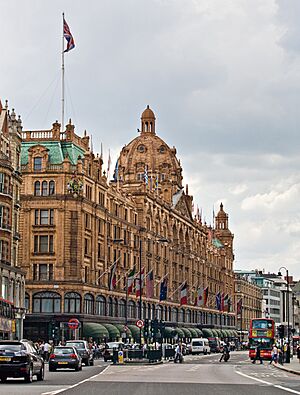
{"points": [[12, 278], [249, 298], [76, 225]]}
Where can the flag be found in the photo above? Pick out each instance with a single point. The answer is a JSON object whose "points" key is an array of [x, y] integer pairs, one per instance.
{"points": [[239, 306], [150, 285], [183, 294], [195, 297], [218, 301], [68, 36], [225, 304], [205, 296], [130, 281], [229, 304], [146, 178], [113, 277], [222, 301], [200, 298], [163, 289], [138, 288]]}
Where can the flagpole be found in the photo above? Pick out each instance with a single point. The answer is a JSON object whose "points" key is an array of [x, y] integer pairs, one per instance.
{"points": [[62, 79]]}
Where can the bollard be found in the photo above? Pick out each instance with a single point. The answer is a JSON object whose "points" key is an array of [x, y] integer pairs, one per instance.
{"points": [[115, 356]]}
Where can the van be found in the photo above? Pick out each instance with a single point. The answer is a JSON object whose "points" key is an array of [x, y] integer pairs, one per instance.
{"points": [[199, 345], [214, 344]]}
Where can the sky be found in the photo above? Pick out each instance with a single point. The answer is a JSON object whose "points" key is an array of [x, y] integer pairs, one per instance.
{"points": [[222, 77]]}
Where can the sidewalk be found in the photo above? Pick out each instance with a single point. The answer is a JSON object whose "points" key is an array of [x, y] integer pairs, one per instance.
{"points": [[292, 367]]}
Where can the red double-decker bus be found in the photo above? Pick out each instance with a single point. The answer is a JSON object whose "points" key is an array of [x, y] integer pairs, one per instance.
{"points": [[262, 334]]}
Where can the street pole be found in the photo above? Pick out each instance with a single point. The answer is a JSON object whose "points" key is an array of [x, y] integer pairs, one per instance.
{"points": [[141, 289], [288, 305]]}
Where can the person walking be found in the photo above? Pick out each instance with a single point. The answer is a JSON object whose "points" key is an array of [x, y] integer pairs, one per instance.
{"points": [[225, 352], [298, 352], [47, 347], [257, 355], [274, 355]]}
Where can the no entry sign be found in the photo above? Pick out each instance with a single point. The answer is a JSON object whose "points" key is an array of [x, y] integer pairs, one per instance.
{"points": [[73, 323], [139, 323]]}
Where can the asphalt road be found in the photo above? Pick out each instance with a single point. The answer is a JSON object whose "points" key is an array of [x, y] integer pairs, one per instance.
{"points": [[197, 375]]}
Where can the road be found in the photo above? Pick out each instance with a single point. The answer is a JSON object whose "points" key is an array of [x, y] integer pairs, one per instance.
{"points": [[197, 375]]}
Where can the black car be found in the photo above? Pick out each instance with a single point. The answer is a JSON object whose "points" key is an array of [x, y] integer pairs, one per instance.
{"points": [[20, 359], [64, 357], [83, 350]]}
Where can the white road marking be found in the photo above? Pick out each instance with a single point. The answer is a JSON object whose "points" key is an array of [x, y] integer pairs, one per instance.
{"points": [[266, 382], [72, 386]]}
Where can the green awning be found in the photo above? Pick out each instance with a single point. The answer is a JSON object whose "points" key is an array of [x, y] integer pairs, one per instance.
{"points": [[235, 333], [199, 332], [169, 332], [218, 332], [135, 332], [207, 332], [180, 332], [113, 331], [214, 332], [186, 332], [193, 332], [94, 330], [121, 329], [225, 333]]}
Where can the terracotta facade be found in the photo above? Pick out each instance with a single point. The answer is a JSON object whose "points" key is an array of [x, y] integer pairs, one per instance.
{"points": [[75, 225]]}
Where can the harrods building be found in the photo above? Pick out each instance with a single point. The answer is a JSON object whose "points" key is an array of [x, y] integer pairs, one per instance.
{"points": [[75, 224]]}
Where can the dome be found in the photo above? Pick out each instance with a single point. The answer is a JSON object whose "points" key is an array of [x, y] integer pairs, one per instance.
{"points": [[148, 114], [149, 156]]}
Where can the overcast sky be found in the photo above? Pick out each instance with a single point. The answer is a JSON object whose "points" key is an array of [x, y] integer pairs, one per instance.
{"points": [[222, 76]]}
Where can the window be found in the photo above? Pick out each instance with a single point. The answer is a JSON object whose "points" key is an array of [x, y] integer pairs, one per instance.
{"points": [[86, 247], [87, 221], [43, 244], [37, 188], [37, 164], [1, 182], [46, 302], [44, 188], [51, 188], [44, 217], [89, 304], [100, 305], [140, 176], [141, 148], [72, 302], [43, 272]]}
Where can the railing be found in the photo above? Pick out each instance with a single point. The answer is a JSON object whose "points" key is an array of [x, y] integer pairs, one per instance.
{"points": [[38, 135]]}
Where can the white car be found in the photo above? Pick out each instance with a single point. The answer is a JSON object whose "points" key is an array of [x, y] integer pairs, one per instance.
{"points": [[199, 345]]}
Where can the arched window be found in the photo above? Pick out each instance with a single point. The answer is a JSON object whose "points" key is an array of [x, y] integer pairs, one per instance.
{"points": [[144, 312], [88, 304], [174, 314], [110, 307], [122, 308], [181, 315], [159, 311], [27, 301], [131, 309], [100, 305], [188, 315], [46, 302], [115, 307], [72, 302], [37, 188], [51, 188], [149, 311], [44, 188]]}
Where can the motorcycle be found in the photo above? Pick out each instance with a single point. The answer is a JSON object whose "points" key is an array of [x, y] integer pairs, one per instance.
{"points": [[178, 357]]}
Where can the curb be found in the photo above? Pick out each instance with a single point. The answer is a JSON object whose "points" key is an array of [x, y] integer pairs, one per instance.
{"points": [[280, 367]]}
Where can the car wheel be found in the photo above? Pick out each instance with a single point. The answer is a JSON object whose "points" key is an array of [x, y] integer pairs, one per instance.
{"points": [[40, 375], [80, 367], [3, 379], [77, 368], [92, 362], [105, 360], [29, 376], [205, 352]]}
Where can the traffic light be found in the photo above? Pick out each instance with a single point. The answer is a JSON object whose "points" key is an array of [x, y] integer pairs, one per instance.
{"points": [[281, 331], [146, 328]]}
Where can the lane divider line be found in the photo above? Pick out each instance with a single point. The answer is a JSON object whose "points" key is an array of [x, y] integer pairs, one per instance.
{"points": [[268, 383], [74, 385]]}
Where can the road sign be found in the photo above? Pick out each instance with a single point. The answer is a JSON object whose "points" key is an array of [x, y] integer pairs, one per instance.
{"points": [[139, 323], [73, 323]]}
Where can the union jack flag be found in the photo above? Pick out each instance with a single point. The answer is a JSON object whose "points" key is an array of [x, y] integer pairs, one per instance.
{"points": [[68, 36]]}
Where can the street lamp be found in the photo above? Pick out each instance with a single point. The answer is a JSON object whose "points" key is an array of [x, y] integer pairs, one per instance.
{"points": [[287, 310]]}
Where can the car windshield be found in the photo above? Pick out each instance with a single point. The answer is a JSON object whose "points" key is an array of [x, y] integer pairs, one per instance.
{"points": [[79, 345], [63, 351], [12, 347]]}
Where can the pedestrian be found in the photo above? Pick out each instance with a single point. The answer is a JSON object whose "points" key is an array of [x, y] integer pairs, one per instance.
{"points": [[47, 347], [257, 355], [298, 352], [274, 354], [225, 352]]}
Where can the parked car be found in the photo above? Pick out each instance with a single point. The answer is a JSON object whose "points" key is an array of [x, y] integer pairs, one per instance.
{"points": [[199, 345], [214, 344], [65, 357], [84, 351], [109, 348], [20, 359]]}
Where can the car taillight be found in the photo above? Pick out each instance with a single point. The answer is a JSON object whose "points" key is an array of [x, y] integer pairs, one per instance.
{"points": [[52, 356], [73, 356]]}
